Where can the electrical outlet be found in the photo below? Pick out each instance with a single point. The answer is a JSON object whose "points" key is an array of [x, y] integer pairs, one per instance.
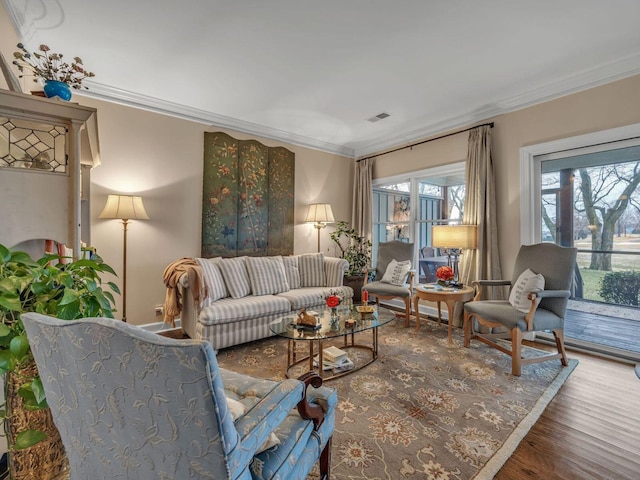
{"points": [[159, 310]]}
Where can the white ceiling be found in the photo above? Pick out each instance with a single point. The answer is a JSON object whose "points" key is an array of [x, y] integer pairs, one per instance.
{"points": [[312, 72]]}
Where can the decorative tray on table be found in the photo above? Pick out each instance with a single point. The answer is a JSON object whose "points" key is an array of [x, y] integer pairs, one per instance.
{"points": [[365, 308]]}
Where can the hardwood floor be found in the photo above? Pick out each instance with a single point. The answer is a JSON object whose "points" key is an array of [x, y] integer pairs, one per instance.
{"points": [[589, 431]]}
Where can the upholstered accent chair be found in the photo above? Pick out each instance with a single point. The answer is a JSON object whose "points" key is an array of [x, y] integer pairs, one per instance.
{"points": [[543, 309], [132, 404], [387, 290]]}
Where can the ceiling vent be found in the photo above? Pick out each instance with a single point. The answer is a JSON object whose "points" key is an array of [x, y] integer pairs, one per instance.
{"points": [[380, 116]]}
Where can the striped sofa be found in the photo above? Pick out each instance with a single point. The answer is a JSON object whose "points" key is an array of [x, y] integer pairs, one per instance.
{"points": [[245, 294]]}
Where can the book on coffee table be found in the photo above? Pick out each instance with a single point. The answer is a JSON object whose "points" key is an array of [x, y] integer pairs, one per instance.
{"points": [[334, 354], [342, 366]]}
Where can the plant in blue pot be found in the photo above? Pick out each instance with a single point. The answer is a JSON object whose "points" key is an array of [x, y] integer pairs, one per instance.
{"points": [[58, 75]]}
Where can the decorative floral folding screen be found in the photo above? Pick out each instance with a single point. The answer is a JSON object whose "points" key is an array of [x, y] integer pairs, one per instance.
{"points": [[248, 198]]}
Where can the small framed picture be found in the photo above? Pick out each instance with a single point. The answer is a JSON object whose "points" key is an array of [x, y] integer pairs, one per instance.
{"points": [[10, 78]]}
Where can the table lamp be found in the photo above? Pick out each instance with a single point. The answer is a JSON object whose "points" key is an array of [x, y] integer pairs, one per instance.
{"points": [[454, 239]]}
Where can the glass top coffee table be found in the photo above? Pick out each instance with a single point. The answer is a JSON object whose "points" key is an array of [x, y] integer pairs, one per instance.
{"points": [[331, 328]]}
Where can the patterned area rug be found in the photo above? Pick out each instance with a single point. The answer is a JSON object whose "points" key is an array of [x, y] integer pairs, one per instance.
{"points": [[424, 409]]}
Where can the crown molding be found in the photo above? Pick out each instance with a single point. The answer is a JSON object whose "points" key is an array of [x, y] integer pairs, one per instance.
{"points": [[124, 97], [600, 75], [25, 19]]}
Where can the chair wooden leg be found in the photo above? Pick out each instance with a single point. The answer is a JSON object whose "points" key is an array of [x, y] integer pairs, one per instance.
{"points": [[325, 461], [466, 327], [559, 336], [516, 352], [407, 311]]}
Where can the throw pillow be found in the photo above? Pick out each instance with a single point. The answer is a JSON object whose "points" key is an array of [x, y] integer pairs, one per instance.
{"points": [[267, 275], [213, 280], [311, 267], [396, 272], [237, 409], [292, 271], [234, 272], [528, 281]]}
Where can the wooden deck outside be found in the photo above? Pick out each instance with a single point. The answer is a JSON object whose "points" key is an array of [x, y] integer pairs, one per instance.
{"points": [[619, 333]]}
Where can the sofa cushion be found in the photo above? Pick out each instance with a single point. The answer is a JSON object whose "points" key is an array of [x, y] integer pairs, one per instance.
{"points": [[236, 278], [267, 275], [311, 267], [292, 271], [213, 280], [231, 310], [315, 296]]}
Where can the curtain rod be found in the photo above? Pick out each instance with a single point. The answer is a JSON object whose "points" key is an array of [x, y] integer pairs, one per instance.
{"points": [[490, 124]]}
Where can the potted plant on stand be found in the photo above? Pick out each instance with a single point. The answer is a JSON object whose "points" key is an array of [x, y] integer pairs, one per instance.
{"points": [[356, 250], [67, 291]]}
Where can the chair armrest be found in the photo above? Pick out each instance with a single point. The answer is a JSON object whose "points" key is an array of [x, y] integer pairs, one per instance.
{"points": [[533, 296], [411, 274], [367, 271], [551, 294], [491, 283], [255, 426], [306, 410], [478, 284]]}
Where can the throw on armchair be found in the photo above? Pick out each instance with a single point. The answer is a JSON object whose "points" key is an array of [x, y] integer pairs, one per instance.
{"points": [[131, 404]]}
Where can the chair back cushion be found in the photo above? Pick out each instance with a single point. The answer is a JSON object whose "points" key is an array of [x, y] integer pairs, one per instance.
{"points": [[395, 250], [555, 263], [128, 401]]}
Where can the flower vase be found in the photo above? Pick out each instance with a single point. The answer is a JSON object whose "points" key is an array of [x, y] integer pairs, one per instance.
{"points": [[335, 319], [54, 88]]}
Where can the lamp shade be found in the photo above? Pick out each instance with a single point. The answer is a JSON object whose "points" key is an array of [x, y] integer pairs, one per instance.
{"points": [[320, 213], [124, 207], [455, 236]]}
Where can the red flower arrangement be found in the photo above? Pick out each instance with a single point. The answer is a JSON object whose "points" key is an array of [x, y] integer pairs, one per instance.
{"points": [[333, 301], [444, 273]]}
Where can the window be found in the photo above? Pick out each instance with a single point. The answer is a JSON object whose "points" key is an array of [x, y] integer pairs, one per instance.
{"points": [[584, 191], [406, 207]]}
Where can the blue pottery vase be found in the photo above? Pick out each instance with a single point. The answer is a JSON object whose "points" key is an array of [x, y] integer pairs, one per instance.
{"points": [[54, 88]]}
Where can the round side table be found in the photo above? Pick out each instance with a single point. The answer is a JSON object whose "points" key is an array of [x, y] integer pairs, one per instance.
{"points": [[449, 296]]}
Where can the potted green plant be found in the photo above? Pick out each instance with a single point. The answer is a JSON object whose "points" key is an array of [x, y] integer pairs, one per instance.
{"points": [[355, 249], [67, 291]]}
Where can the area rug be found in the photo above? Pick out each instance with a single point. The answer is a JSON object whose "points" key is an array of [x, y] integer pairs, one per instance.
{"points": [[424, 409]]}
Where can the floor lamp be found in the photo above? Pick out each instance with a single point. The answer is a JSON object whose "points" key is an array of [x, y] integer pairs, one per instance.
{"points": [[454, 238], [125, 208], [319, 214]]}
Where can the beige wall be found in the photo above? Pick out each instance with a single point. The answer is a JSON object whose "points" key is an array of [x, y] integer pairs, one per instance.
{"points": [[161, 158], [609, 106]]}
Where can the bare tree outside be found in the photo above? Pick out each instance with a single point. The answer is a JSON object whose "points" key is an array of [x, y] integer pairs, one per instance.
{"points": [[604, 194]]}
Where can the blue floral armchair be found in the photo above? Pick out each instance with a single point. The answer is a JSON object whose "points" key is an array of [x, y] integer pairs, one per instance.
{"points": [[132, 404]]}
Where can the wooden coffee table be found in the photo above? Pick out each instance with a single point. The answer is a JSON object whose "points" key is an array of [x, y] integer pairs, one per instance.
{"points": [[450, 296]]}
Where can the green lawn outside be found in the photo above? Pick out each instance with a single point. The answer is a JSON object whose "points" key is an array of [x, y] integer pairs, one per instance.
{"points": [[591, 284], [619, 262]]}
